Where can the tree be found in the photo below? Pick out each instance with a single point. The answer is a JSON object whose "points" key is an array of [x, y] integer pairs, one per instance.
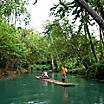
{"points": [[92, 12], [14, 10], [12, 49], [98, 5], [57, 37]]}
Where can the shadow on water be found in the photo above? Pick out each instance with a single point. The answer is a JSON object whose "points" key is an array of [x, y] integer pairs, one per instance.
{"points": [[26, 89]]}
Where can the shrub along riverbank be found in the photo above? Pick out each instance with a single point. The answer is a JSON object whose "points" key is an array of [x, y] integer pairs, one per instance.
{"points": [[95, 71]]}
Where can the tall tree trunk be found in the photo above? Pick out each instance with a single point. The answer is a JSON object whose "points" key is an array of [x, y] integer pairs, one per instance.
{"points": [[80, 57], [101, 43], [91, 43], [100, 10], [93, 13], [52, 61]]}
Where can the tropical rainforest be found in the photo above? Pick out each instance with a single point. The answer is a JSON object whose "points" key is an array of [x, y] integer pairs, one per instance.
{"points": [[61, 42]]}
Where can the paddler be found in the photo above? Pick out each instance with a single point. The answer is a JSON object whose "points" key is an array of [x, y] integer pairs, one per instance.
{"points": [[63, 72]]}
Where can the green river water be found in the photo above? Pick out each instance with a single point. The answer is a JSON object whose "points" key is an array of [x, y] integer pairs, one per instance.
{"points": [[26, 89]]}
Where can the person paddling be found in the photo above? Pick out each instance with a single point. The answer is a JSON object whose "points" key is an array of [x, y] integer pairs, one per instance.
{"points": [[63, 72]]}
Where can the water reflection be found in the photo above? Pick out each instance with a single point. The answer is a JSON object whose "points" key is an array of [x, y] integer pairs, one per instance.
{"points": [[66, 94], [53, 75], [45, 83]]}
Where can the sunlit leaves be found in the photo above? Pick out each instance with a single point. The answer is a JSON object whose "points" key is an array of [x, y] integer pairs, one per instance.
{"points": [[57, 40], [10, 43]]}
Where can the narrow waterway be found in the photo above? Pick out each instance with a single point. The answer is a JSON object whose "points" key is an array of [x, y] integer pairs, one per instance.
{"points": [[26, 89]]}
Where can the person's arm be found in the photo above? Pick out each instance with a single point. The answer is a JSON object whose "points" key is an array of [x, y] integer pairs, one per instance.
{"points": [[66, 69]]}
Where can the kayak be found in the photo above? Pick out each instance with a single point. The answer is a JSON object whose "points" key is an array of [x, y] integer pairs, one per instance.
{"points": [[56, 82]]}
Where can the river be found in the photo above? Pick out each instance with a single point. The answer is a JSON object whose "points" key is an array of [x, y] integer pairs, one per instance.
{"points": [[26, 89]]}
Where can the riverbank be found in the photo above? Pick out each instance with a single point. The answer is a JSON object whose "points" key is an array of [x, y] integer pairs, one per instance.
{"points": [[14, 73], [4, 73], [99, 80]]}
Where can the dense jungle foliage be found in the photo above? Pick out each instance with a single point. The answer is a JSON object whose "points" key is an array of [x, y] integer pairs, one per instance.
{"points": [[62, 42]]}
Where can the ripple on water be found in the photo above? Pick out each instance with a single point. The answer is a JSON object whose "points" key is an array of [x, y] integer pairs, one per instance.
{"points": [[38, 102]]}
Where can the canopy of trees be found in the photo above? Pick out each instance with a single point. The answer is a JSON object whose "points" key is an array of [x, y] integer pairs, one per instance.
{"points": [[59, 43]]}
